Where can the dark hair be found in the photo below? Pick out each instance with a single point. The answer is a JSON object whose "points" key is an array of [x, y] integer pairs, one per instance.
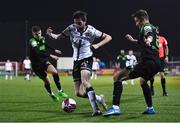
{"points": [[80, 14], [36, 28], [140, 14]]}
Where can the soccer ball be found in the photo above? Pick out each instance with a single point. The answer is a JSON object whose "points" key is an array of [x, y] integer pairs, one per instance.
{"points": [[69, 105]]}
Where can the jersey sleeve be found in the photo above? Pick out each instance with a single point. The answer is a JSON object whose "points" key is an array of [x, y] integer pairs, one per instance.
{"points": [[67, 31], [33, 43], [164, 42], [97, 33]]}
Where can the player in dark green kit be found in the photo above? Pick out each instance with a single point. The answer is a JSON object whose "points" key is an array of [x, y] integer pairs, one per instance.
{"points": [[39, 57], [146, 69], [121, 59]]}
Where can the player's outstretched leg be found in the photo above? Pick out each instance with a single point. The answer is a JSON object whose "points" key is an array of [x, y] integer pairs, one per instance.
{"points": [[61, 93], [48, 88], [115, 109], [92, 100], [54, 72], [54, 97]]}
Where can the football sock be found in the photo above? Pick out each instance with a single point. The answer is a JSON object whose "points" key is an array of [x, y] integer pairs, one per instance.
{"points": [[151, 82], [48, 88], [118, 88], [147, 94], [163, 84], [56, 80], [151, 85], [92, 98], [98, 98]]}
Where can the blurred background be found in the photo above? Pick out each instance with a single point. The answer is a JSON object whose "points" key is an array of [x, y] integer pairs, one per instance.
{"points": [[111, 17]]}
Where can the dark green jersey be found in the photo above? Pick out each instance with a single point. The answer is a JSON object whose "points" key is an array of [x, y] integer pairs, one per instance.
{"points": [[148, 52], [122, 60], [39, 50]]}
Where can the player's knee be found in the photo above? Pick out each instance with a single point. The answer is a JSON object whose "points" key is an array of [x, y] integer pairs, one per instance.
{"points": [[54, 72], [162, 75], [46, 83], [141, 81]]}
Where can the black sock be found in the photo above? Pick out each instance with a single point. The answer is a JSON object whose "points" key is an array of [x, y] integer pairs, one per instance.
{"points": [[151, 84], [48, 88], [56, 80], [147, 94], [163, 84], [118, 88]]}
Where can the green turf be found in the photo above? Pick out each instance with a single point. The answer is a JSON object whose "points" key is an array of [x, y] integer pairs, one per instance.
{"points": [[25, 101]]}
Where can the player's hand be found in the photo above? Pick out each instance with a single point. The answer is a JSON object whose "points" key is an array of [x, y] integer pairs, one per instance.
{"points": [[49, 31], [54, 57], [129, 37], [58, 51], [166, 59], [147, 42]]}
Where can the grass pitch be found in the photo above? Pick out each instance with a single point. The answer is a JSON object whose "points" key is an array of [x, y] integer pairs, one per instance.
{"points": [[24, 101]]}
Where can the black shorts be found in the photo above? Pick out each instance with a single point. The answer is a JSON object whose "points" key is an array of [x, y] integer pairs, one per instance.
{"points": [[84, 64], [41, 68], [146, 69], [27, 71], [9, 72], [162, 65]]}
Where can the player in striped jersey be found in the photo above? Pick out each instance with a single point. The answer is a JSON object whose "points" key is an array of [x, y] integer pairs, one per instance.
{"points": [[82, 37]]}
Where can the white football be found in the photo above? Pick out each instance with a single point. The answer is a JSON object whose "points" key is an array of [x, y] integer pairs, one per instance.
{"points": [[69, 105]]}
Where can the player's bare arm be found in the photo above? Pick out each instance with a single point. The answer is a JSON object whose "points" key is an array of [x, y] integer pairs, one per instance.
{"points": [[130, 38], [52, 35], [54, 57], [166, 50], [105, 39]]}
